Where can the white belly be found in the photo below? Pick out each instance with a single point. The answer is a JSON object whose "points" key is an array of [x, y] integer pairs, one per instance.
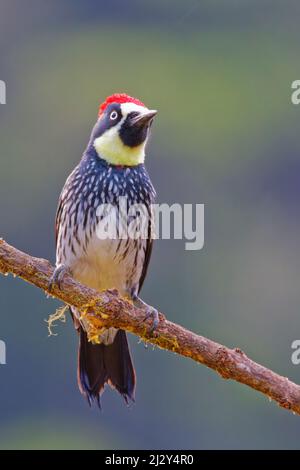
{"points": [[110, 264]]}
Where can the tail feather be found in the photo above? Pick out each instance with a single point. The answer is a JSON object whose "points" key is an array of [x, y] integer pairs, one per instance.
{"points": [[99, 364]]}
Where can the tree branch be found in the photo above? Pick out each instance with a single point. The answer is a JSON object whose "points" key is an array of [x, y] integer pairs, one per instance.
{"points": [[106, 309]]}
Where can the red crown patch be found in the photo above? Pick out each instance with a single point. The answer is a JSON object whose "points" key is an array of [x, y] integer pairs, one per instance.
{"points": [[119, 98]]}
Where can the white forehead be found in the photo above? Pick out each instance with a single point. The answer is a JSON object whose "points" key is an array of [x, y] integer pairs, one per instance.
{"points": [[127, 108]]}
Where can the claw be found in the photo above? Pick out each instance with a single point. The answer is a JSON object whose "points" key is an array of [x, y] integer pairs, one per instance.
{"points": [[57, 277], [153, 314]]}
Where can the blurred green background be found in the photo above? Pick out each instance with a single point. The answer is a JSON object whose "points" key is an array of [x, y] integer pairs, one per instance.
{"points": [[227, 136]]}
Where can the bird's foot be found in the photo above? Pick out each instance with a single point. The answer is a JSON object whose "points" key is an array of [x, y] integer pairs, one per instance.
{"points": [[57, 276], [151, 312]]}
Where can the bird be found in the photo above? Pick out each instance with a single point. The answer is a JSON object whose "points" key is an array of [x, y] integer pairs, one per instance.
{"points": [[111, 167]]}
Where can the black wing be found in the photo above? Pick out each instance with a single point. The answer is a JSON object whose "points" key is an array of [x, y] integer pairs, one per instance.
{"points": [[148, 253], [58, 217], [62, 200]]}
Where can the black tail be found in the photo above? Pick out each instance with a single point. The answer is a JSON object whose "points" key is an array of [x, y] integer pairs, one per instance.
{"points": [[99, 364]]}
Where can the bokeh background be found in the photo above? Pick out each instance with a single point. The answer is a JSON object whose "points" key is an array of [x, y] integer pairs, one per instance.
{"points": [[227, 135]]}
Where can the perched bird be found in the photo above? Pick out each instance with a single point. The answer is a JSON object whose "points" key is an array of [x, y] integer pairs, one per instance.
{"points": [[111, 166]]}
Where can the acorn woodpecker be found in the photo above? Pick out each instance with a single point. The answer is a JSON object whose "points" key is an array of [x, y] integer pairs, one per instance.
{"points": [[111, 166]]}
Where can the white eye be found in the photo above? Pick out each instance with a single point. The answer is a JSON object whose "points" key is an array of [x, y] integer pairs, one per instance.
{"points": [[113, 115]]}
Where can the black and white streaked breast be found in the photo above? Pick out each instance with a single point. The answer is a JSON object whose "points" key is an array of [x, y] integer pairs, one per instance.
{"points": [[98, 263]]}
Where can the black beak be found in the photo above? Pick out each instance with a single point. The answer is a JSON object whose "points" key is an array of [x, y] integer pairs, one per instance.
{"points": [[144, 119]]}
